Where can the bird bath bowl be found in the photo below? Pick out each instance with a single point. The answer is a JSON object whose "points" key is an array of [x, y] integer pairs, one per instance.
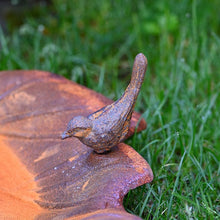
{"points": [[44, 177]]}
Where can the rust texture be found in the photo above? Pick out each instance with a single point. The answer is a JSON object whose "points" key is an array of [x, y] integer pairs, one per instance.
{"points": [[44, 177], [108, 126]]}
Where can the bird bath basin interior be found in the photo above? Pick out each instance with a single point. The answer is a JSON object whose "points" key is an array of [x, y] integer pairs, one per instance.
{"points": [[44, 177]]}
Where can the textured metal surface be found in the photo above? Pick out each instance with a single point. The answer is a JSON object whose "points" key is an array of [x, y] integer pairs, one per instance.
{"points": [[108, 126], [44, 177]]}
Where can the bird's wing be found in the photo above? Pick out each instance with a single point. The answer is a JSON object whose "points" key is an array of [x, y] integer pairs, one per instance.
{"points": [[125, 129], [100, 112]]}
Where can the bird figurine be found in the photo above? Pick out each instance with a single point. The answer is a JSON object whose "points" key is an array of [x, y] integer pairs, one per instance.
{"points": [[108, 126]]}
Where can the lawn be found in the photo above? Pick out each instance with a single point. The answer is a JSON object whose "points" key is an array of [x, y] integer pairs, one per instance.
{"points": [[94, 43]]}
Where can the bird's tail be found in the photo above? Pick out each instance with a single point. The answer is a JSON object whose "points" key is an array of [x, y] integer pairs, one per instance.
{"points": [[138, 72], [130, 95], [127, 101]]}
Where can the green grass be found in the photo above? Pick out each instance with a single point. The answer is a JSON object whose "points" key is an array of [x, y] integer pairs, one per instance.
{"points": [[94, 43]]}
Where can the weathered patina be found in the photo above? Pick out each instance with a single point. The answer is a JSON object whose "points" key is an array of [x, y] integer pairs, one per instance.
{"points": [[108, 126]]}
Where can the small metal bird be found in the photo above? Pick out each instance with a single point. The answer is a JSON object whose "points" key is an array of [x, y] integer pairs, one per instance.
{"points": [[108, 126]]}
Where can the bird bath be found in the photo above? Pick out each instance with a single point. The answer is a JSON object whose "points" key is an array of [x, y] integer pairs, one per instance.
{"points": [[44, 177]]}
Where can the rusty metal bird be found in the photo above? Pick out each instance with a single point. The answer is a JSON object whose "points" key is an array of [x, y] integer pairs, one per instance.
{"points": [[108, 126]]}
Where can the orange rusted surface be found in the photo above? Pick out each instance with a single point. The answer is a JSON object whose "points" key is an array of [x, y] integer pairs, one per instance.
{"points": [[45, 177], [17, 187]]}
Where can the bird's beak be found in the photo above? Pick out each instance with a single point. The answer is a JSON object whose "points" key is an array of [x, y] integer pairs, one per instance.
{"points": [[65, 135]]}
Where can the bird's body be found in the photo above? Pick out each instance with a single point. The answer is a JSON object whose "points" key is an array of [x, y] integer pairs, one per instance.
{"points": [[108, 126]]}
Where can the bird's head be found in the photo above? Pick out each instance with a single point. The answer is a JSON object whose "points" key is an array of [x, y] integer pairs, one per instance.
{"points": [[78, 126]]}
